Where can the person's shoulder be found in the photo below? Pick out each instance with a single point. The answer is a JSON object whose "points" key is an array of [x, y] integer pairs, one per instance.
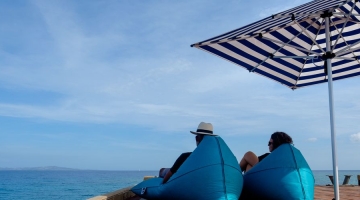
{"points": [[263, 156], [186, 154]]}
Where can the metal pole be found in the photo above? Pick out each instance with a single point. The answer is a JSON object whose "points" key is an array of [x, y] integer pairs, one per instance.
{"points": [[331, 107]]}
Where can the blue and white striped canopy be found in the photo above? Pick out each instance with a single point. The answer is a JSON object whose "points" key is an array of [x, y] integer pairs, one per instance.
{"points": [[290, 47]]}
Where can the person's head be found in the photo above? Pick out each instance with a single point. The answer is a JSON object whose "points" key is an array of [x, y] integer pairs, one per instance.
{"points": [[277, 139], [202, 130], [198, 138]]}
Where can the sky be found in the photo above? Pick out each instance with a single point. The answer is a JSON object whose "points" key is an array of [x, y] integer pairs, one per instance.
{"points": [[115, 85]]}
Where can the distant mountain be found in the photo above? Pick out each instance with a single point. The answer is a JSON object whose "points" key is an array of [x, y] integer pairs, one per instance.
{"points": [[47, 168]]}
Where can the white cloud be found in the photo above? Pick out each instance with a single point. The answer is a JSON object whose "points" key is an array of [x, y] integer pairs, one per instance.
{"points": [[105, 75], [355, 137], [312, 139]]}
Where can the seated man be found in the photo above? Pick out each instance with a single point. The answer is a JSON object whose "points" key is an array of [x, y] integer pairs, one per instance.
{"points": [[203, 129]]}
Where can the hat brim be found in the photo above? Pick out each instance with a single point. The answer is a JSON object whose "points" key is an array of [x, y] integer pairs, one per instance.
{"points": [[201, 133]]}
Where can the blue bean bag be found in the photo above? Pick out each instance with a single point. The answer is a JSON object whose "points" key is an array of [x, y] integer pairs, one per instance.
{"points": [[211, 172], [284, 174]]}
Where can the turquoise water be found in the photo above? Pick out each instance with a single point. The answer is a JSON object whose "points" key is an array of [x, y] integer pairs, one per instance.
{"points": [[84, 184]]}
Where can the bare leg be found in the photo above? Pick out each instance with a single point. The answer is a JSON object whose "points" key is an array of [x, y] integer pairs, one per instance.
{"points": [[167, 176], [248, 161]]}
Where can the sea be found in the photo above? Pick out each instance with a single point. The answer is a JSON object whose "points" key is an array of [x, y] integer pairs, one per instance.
{"points": [[84, 184]]}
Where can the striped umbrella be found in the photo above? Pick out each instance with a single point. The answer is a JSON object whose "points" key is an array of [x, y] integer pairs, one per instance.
{"points": [[312, 43]]}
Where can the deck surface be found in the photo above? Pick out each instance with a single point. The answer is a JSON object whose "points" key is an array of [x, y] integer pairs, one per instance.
{"points": [[325, 193], [346, 192]]}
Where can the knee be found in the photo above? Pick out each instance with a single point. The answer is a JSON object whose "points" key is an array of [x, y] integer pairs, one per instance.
{"points": [[249, 153], [161, 170]]}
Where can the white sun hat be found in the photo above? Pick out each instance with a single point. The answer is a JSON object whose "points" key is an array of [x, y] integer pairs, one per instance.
{"points": [[204, 129]]}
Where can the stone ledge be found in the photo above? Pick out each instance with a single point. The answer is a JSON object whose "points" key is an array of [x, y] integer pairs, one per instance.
{"points": [[121, 194]]}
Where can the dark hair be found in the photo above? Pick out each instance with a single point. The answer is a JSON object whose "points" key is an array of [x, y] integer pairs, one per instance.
{"points": [[199, 137], [280, 138]]}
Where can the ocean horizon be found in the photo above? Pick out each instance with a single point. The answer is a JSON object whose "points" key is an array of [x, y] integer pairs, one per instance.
{"points": [[84, 184]]}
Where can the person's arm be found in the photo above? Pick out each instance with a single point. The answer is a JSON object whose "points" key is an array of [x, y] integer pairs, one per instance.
{"points": [[179, 161], [167, 176]]}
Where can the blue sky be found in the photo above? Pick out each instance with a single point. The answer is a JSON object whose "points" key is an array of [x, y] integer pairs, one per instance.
{"points": [[115, 85]]}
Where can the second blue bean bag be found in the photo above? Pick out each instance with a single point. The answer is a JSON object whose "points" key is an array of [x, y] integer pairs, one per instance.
{"points": [[283, 175]]}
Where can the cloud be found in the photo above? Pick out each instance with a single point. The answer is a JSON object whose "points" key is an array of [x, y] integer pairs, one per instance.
{"points": [[312, 139], [355, 137], [117, 74]]}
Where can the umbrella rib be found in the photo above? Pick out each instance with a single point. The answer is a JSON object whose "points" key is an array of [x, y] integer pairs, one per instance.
{"points": [[253, 69], [345, 58], [311, 57], [297, 80], [346, 14], [347, 48], [352, 51], [286, 44], [340, 34], [343, 19], [293, 46], [296, 15], [348, 51], [314, 41], [350, 20]]}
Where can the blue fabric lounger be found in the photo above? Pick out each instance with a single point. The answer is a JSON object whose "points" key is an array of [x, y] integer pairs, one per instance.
{"points": [[211, 172], [284, 174]]}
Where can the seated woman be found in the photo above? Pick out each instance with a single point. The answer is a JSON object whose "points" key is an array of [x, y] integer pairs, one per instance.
{"points": [[250, 159]]}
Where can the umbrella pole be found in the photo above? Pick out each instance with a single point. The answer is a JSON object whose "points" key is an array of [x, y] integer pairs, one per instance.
{"points": [[331, 108]]}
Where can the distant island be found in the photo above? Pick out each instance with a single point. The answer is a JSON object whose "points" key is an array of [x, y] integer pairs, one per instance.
{"points": [[47, 168]]}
